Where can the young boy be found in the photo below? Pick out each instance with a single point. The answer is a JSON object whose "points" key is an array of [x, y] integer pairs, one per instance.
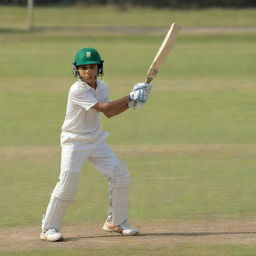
{"points": [[83, 139]]}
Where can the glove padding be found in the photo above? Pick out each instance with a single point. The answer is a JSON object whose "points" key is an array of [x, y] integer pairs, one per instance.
{"points": [[135, 105], [143, 86], [139, 95]]}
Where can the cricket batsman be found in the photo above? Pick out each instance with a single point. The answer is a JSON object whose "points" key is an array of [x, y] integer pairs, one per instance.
{"points": [[83, 139]]}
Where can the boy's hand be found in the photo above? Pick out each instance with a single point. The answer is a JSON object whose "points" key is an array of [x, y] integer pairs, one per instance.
{"points": [[143, 86], [135, 105], [139, 95]]}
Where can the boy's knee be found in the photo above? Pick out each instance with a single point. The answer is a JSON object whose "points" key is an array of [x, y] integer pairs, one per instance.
{"points": [[67, 186], [121, 177]]}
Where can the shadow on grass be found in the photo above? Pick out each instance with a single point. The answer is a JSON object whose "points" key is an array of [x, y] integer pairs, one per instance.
{"points": [[13, 30], [68, 239], [171, 234], [193, 234]]}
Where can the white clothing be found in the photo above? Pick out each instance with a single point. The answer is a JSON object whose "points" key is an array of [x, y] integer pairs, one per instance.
{"points": [[82, 121], [72, 160], [99, 154], [82, 139]]}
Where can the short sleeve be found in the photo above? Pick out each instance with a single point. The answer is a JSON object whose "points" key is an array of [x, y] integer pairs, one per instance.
{"points": [[83, 98]]}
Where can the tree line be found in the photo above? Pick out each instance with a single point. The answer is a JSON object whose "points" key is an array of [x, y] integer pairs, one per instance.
{"points": [[178, 4]]}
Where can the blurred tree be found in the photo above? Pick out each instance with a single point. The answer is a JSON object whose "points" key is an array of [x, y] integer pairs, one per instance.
{"points": [[159, 3]]}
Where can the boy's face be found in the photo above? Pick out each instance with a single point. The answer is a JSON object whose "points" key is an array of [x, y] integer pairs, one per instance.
{"points": [[89, 73]]}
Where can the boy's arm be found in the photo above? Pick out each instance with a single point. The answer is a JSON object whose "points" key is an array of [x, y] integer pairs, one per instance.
{"points": [[112, 108], [138, 96], [116, 111]]}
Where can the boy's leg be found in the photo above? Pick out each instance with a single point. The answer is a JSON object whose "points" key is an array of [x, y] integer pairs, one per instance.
{"points": [[118, 195], [64, 191], [119, 180], [61, 197]]}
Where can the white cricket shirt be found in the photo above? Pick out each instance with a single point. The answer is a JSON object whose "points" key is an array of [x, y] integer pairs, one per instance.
{"points": [[82, 121]]}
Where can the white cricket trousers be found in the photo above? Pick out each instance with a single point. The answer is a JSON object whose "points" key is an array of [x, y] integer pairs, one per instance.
{"points": [[72, 160]]}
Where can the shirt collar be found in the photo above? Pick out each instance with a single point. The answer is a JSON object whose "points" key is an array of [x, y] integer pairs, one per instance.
{"points": [[89, 87]]}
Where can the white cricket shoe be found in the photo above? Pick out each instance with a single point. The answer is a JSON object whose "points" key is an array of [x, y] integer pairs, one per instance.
{"points": [[123, 228], [51, 235]]}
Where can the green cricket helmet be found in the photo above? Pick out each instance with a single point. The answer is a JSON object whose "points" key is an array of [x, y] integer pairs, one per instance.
{"points": [[88, 56]]}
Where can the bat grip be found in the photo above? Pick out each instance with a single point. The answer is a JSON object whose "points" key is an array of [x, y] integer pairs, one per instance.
{"points": [[148, 80]]}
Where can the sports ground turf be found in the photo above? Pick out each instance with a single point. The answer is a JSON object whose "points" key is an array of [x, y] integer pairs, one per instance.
{"points": [[191, 150]]}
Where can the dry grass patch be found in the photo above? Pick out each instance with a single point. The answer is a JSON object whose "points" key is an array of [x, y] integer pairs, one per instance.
{"points": [[229, 149]]}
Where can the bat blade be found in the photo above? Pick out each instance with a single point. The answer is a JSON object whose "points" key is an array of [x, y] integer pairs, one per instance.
{"points": [[163, 51]]}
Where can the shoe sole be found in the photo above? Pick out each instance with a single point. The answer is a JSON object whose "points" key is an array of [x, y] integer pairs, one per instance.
{"points": [[108, 229], [111, 230], [44, 238], [133, 234]]}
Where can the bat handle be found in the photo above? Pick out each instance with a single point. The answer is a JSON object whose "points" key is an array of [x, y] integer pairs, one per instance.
{"points": [[148, 80]]}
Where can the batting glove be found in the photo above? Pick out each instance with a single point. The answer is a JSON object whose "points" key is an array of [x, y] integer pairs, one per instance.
{"points": [[135, 105], [139, 95], [143, 86]]}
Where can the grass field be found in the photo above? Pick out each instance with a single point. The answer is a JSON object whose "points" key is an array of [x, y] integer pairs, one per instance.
{"points": [[91, 16], [190, 150]]}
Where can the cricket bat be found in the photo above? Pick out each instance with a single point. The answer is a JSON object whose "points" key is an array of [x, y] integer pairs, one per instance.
{"points": [[163, 51]]}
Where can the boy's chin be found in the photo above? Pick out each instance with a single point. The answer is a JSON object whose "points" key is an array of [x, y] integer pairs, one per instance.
{"points": [[90, 81]]}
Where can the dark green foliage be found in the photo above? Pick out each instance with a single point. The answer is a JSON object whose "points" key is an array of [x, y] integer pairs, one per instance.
{"points": [[160, 3]]}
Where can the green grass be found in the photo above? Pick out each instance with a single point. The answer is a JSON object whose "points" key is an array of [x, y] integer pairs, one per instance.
{"points": [[206, 84], [189, 182], [204, 95], [98, 16], [193, 144]]}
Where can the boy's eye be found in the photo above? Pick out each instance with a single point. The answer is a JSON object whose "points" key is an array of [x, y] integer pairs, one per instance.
{"points": [[88, 67]]}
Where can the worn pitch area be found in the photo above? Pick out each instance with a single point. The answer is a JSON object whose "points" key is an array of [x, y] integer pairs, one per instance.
{"points": [[166, 233]]}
